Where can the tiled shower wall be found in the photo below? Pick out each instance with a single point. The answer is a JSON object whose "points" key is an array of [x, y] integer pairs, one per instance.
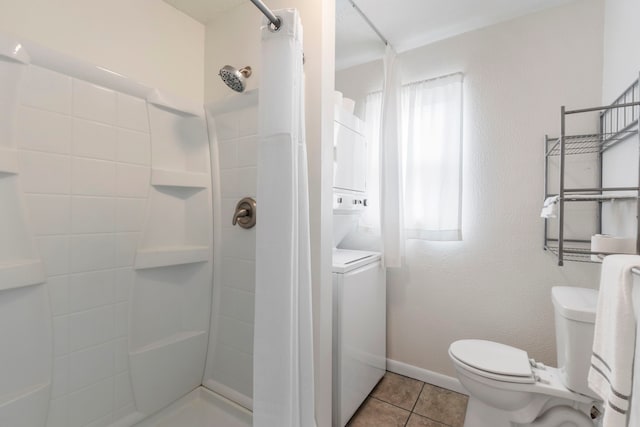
{"points": [[85, 174], [230, 362]]}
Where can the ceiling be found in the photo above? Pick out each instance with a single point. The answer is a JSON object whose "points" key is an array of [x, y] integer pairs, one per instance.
{"points": [[406, 24]]}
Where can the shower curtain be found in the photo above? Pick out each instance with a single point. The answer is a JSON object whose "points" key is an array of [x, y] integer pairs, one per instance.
{"points": [[283, 393]]}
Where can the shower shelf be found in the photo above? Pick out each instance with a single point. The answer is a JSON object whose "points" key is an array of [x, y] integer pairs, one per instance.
{"points": [[617, 122], [174, 178], [9, 163], [174, 255], [21, 273]]}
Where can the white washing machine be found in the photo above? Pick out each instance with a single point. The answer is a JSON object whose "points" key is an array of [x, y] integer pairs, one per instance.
{"points": [[359, 329]]}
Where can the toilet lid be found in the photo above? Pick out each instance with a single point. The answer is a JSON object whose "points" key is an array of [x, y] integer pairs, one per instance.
{"points": [[492, 357]]}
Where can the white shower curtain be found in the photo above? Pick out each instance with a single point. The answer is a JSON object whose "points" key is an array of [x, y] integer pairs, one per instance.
{"points": [[283, 390], [391, 193]]}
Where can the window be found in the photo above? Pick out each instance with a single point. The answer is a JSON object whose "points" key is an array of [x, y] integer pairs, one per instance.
{"points": [[431, 129]]}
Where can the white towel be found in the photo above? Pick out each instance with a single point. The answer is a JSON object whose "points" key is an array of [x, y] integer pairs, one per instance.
{"points": [[611, 372], [550, 206]]}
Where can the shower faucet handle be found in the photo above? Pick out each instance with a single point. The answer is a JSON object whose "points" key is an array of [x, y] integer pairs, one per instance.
{"points": [[245, 213]]}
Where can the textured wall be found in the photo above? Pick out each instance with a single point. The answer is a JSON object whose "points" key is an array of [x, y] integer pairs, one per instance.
{"points": [[496, 283], [146, 40]]}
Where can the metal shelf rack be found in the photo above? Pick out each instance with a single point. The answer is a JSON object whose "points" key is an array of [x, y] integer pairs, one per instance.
{"points": [[617, 122]]}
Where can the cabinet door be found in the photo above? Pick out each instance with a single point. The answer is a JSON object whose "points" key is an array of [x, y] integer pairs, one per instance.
{"points": [[349, 159]]}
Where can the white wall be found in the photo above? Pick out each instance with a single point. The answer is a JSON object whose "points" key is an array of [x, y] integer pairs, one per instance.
{"points": [[496, 283], [146, 40], [621, 52], [234, 38], [620, 69]]}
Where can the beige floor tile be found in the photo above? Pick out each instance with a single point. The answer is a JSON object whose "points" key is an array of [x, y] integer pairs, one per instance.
{"points": [[442, 405], [398, 390], [375, 413], [416, 420]]}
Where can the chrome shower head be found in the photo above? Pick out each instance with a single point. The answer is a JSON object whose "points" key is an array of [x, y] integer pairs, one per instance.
{"points": [[234, 78]]}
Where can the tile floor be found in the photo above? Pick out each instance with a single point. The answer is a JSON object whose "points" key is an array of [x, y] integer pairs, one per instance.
{"points": [[402, 401]]}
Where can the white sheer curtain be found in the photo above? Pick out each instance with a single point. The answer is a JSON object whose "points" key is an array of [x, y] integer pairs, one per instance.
{"points": [[431, 118], [283, 390], [432, 149]]}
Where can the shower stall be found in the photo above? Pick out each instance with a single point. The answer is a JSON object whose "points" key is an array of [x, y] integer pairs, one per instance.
{"points": [[127, 296]]}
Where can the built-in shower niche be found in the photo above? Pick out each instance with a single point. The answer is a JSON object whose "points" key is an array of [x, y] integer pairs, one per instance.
{"points": [[171, 299], [25, 318]]}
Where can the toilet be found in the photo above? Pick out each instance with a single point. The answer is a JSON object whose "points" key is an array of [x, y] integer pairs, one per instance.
{"points": [[507, 388]]}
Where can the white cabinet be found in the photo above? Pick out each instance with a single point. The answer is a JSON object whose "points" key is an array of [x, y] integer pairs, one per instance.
{"points": [[359, 323], [349, 153]]}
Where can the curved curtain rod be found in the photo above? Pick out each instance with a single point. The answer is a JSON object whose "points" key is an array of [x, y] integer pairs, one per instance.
{"points": [[368, 21], [268, 13]]}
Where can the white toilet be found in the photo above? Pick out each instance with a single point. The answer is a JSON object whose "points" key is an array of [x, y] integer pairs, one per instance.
{"points": [[508, 389]]}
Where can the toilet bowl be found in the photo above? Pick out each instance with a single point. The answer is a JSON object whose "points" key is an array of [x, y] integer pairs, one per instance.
{"points": [[507, 388]]}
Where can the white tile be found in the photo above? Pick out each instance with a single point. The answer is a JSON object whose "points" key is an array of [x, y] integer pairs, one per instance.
{"points": [[122, 319], [90, 290], [123, 412], [236, 334], [226, 126], [94, 102], [45, 173], [49, 214], [124, 391], [133, 181], [247, 151], [93, 214], [228, 208], [239, 274], [130, 214], [228, 154], [126, 246], [247, 182], [92, 252], [229, 183], [105, 421], [46, 89], [93, 177], [60, 377], [54, 251], [58, 413], [60, 335], [238, 243], [134, 147], [122, 355], [90, 404], [248, 122], [59, 294], [43, 130], [124, 284], [234, 369], [94, 140], [237, 304], [90, 366], [132, 113], [91, 327]]}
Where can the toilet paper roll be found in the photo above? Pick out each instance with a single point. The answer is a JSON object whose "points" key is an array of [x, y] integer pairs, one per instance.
{"points": [[349, 105], [337, 98], [604, 243]]}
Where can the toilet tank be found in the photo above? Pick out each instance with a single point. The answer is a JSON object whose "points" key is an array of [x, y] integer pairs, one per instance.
{"points": [[575, 316]]}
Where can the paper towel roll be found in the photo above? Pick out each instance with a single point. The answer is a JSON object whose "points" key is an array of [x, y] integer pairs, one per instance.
{"points": [[337, 98], [603, 243]]}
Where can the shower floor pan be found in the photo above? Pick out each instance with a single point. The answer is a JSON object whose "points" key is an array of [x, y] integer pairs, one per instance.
{"points": [[200, 408]]}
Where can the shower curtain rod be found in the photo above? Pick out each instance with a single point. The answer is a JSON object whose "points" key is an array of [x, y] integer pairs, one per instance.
{"points": [[368, 21], [268, 13]]}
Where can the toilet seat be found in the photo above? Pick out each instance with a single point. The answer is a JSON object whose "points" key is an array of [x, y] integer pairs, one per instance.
{"points": [[493, 360]]}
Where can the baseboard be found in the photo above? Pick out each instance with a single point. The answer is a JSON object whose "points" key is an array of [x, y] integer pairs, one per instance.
{"points": [[425, 375]]}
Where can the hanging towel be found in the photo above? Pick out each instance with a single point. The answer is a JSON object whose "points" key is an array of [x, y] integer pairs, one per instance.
{"points": [[611, 372], [550, 206]]}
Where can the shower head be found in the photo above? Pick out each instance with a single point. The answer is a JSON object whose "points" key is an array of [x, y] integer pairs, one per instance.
{"points": [[234, 78]]}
